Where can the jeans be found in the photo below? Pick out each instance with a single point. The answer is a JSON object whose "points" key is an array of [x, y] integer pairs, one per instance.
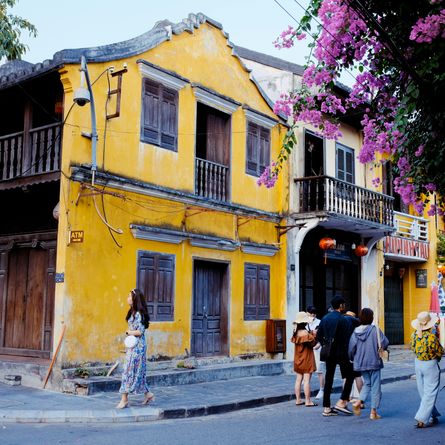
{"points": [[428, 383], [371, 384], [346, 373]]}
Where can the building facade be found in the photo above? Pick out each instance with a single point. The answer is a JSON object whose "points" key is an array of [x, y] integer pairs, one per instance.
{"points": [[331, 195], [154, 187]]}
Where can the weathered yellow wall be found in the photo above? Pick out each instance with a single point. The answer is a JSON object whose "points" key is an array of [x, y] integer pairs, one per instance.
{"points": [[416, 299], [98, 273]]}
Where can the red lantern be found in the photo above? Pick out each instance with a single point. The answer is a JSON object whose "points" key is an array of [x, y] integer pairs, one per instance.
{"points": [[325, 244], [361, 250]]}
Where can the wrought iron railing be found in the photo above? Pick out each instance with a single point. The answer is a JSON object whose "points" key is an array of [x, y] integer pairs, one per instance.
{"points": [[327, 194], [211, 180], [30, 153]]}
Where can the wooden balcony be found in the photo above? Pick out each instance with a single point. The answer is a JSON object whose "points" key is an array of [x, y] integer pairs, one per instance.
{"points": [[211, 180], [351, 206], [27, 154]]}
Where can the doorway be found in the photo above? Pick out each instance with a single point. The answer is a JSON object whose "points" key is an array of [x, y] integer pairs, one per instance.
{"points": [[27, 300], [393, 307], [210, 309]]}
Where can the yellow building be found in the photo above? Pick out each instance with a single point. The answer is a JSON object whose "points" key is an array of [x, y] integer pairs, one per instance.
{"points": [[155, 188], [331, 195]]}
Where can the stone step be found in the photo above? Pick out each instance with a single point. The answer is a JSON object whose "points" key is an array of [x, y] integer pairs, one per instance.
{"points": [[181, 376]]}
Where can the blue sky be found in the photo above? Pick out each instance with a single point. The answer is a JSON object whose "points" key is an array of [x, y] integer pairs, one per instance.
{"points": [[81, 23]]}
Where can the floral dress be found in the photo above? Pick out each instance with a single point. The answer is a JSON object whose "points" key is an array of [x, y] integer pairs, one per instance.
{"points": [[135, 367]]}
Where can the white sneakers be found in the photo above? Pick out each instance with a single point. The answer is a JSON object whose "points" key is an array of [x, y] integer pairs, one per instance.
{"points": [[320, 394]]}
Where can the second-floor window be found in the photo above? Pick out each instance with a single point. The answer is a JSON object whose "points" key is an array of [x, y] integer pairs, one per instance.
{"points": [[159, 124], [258, 149], [345, 170]]}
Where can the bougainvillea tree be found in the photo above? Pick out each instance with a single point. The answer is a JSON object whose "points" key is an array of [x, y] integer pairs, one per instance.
{"points": [[394, 49]]}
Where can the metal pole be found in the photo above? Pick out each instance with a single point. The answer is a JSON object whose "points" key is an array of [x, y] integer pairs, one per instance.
{"points": [[84, 69]]}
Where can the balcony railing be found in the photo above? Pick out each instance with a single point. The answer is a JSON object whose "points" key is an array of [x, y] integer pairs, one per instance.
{"points": [[410, 226], [410, 240], [326, 194], [30, 153], [211, 180]]}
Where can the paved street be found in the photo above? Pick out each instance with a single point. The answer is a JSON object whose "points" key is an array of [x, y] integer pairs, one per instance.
{"points": [[273, 424]]}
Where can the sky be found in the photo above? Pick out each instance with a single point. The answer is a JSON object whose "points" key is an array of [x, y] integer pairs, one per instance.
{"points": [[63, 24]]}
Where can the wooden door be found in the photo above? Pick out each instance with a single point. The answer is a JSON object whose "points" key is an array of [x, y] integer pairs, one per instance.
{"points": [[27, 301], [394, 309], [209, 317]]}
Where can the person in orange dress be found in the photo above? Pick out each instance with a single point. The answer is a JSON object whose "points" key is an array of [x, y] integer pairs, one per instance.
{"points": [[304, 360]]}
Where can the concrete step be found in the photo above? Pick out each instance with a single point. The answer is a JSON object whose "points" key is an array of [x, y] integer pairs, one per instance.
{"points": [[182, 376]]}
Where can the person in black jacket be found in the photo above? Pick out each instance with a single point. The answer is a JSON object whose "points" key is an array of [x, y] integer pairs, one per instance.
{"points": [[334, 328]]}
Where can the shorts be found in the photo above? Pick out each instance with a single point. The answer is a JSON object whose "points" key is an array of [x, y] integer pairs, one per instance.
{"points": [[319, 365]]}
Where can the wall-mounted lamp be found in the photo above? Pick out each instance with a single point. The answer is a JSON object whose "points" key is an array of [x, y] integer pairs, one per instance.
{"points": [[82, 96]]}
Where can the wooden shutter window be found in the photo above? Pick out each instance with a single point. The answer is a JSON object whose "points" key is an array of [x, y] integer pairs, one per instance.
{"points": [[258, 149], [159, 115], [155, 277], [345, 164], [256, 291]]}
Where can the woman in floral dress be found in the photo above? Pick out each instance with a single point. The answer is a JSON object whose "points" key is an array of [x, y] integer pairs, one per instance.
{"points": [[133, 376]]}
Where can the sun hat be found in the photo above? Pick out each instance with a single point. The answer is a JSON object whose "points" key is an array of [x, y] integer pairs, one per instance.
{"points": [[423, 322], [302, 317]]}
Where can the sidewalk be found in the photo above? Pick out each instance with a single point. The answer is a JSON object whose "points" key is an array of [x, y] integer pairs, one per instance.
{"points": [[28, 405]]}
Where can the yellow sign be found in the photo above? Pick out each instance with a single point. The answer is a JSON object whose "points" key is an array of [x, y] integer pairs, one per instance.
{"points": [[76, 236]]}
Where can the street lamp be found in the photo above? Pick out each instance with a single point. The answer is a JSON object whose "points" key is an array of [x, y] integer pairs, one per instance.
{"points": [[82, 96]]}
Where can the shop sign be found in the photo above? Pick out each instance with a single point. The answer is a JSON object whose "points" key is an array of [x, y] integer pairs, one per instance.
{"points": [[421, 278], [76, 236], [342, 251]]}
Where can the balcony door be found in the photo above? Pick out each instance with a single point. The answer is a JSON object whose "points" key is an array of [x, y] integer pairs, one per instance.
{"points": [[212, 153]]}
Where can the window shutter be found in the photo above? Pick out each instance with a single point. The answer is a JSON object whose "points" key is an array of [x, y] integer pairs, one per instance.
{"points": [[169, 125], [250, 291], [263, 292], [252, 149], [340, 163], [155, 278], [345, 164], [349, 164], [151, 102], [256, 292], [264, 150]]}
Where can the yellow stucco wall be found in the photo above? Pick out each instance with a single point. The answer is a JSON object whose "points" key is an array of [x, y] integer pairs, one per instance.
{"points": [[417, 299], [99, 274]]}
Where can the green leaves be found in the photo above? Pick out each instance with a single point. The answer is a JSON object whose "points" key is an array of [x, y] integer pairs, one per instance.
{"points": [[11, 27]]}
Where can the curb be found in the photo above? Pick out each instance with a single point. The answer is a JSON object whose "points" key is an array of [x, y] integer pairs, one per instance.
{"points": [[147, 414]]}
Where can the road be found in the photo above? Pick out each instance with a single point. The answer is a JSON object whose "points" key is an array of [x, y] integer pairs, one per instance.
{"points": [[282, 423]]}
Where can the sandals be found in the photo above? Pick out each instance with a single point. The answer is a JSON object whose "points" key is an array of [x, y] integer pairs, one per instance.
{"points": [[343, 409], [356, 408], [299, 403], [329, 413], [311, 404], [420, 425], [375, 416], [148, 398]]}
